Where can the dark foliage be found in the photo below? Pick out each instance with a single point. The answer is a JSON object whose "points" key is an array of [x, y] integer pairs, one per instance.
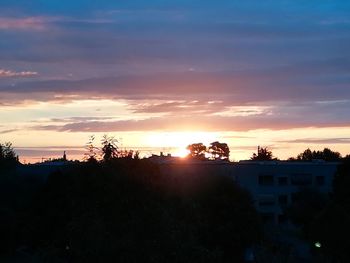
{"points": [[326, 155], [219, 151], [16, 195], [109, 148], [197, 150], [331, 227], [307, 203], [8, 157], [127, 211], [263, 154], [91, 150]]}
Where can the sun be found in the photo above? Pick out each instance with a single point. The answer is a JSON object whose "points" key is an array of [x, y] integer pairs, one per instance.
{"points": [[178, 141], [182, 153]]}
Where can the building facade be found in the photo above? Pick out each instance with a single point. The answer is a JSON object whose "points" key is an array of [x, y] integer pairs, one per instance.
{"points": [[272, 184]]}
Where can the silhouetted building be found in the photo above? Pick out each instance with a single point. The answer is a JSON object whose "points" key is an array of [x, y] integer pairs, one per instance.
{"points": [[272, 184]]}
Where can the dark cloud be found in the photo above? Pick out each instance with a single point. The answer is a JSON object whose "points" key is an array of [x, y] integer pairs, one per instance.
{"points": [[298, 82]]}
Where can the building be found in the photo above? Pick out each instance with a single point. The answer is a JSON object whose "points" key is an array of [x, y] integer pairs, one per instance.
{"points": [[272, 184]]}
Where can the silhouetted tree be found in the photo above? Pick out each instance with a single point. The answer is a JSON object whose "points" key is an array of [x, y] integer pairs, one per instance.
{"points": [[7, 154], [331, 227], [329, 155], [126, 154], [306, 155], [263, 155], [91, 153], [341, 183], [109, 148], [326, 154], [197, 150], [219, 151], [307, 203], [135, 213]]}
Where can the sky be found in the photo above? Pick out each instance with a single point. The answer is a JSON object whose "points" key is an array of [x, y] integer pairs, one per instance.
{"points": [[159, 75]]}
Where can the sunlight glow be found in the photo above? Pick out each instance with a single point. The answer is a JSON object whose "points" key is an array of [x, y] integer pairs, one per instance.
{"points": [[183, 153], [180, 139]]}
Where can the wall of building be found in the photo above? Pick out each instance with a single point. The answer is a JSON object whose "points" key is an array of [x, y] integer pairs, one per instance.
{"points": [[271, 183]]}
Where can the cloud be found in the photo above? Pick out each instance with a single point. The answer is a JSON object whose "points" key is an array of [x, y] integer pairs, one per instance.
{"points": [[39, 23], [197, 123], [8, 131], [80, 118], [177, 107], [27, 23], [262, 64], [300, 82], [319, 141], [9, 73], [40, 152]]}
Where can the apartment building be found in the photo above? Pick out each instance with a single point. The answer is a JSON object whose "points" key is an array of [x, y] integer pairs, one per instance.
{"points": [[272, 184]]}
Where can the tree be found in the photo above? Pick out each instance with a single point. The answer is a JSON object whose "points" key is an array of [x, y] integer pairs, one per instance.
{"points": [[307, 203], [219, 151], [331, 227], [91, 153], [7, 154], [109, 147], [263, 155], [126, 154], [305, 156], [329, 155], [135, 213], [326, 154], [197, 150]]}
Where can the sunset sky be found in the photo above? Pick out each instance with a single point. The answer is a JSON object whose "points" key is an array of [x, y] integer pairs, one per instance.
{"points": [[159, 75]]}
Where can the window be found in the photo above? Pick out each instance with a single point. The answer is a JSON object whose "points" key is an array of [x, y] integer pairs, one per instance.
{"points": [[319, 180], [283, 200], [283, 180], [282, 219], [267, 217], [301, 179], [265, 180], [295, 198], [266, 200]]}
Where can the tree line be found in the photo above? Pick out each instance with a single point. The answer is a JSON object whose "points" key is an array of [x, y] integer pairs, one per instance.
{"points": [[123, 206], [125, 209], [325, 219], [8, 156], [216, 151], [109, 150], [221, 151]]}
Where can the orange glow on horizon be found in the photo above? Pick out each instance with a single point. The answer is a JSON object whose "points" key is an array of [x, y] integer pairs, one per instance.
{"points": [[182, 153], [180, 139]]}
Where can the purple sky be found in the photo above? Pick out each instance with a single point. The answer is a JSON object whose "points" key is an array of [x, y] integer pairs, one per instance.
{"points": [[134, 67]]}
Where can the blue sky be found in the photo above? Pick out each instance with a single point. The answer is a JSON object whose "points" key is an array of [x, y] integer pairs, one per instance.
{"points": [[128, 67]]}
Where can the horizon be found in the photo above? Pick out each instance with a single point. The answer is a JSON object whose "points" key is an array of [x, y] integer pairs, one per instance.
{"points": [[160, 75], [75, 153]]}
